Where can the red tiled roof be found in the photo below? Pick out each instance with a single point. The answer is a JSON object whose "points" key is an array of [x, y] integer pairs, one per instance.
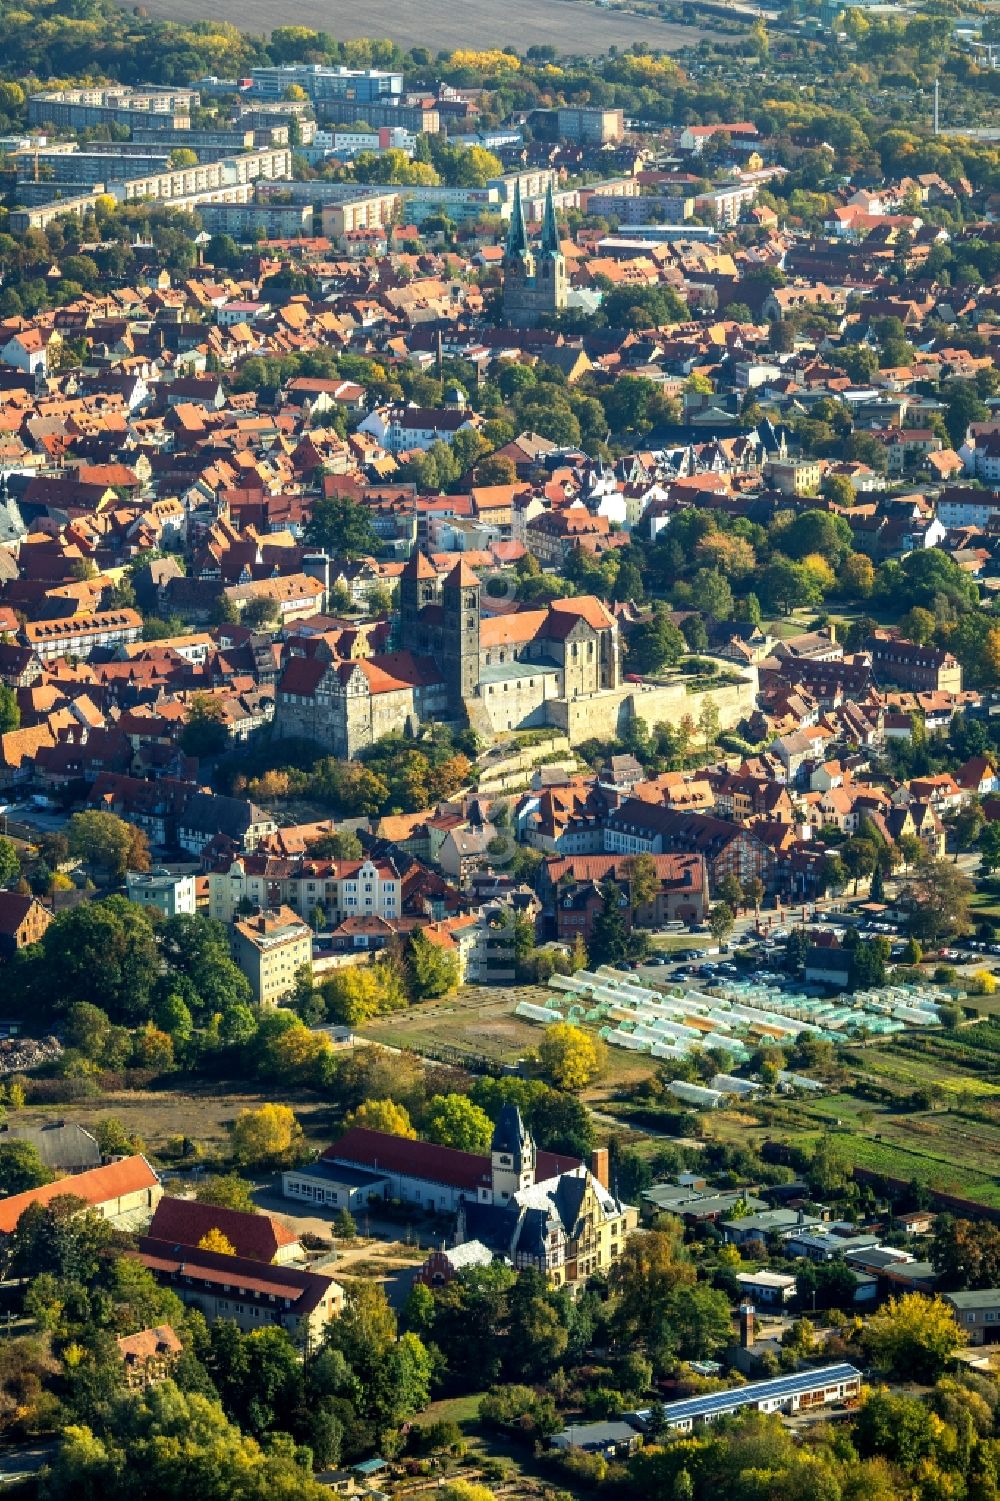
{"points": [[98, 1186], [303, 675], [258, 1237], [149, 1342], [380, 1150], [304, 1290]]}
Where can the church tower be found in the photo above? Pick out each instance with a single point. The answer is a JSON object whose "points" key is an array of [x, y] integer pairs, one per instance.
{"points": [[461, 634], [417, 588], [534, 284], [550, 263], [512, 1156]]}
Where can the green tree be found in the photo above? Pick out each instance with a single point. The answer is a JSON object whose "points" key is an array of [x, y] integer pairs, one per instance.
{"points": [[989, 847], [204, 733], [344, 1225], [21, 1167], [721, 921], [452, 1120], [107, 842], [103, 953], [654, 644], [433, 970], [609, 940], [708, 723], [196, 951], [10, 865], [226, 1191], [342, 528], [643, 880], [895, 1427], [10, 714], [937, 896]]}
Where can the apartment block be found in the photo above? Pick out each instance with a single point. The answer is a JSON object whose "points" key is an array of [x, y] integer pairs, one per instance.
{"points": [[270, 949]]}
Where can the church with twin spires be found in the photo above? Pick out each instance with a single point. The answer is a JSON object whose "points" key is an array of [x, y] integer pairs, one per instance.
{"points": [[534, 278]]}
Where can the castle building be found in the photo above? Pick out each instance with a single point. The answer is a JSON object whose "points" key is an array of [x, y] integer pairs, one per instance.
{"points": [[499, 673], [534, 281]]}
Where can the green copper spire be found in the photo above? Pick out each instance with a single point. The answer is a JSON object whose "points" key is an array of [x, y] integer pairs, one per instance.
{"points": [[550, 229], [517, 235]]}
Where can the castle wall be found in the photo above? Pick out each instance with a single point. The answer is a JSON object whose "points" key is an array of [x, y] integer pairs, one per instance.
{"points": [[605, 715], [519, 703]]}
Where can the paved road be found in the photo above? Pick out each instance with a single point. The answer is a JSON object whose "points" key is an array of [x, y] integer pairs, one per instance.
{"points": [[21, 1463]]}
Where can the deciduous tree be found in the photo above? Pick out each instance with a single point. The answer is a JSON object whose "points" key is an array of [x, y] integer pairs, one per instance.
{"points": [[453, 1120], [382, 1115], [266, 1137], [570, 1057]]}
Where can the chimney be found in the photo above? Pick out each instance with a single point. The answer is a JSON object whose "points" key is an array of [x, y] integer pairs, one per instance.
{"points": [[747, 1326], [599, 1165]]}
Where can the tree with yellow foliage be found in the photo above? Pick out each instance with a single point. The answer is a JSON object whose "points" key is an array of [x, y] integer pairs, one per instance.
{"points": [[489, 62], [214, 1240], [913, 1337], [465, 1490], [383, 1115], [362, 991], [267, 1137], [570, 1058], [819, 571]]}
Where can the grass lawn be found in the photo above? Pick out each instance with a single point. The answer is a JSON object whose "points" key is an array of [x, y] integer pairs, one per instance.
{"points": [[478, 1022], [951, 1149], [669, 943], [461, 1410], [202, 1111]]}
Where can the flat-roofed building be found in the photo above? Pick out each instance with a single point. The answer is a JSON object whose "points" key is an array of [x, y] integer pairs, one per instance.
{"points": [[172, 895], [786, 1394]]}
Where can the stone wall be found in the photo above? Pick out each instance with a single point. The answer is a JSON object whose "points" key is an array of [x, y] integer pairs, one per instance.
{"points": [[605, 715]]}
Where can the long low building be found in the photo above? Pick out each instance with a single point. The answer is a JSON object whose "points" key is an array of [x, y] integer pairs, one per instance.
{"points": [[796, 1393], [250, 1293], [180, 186], [122, 1192], [79, 635]]}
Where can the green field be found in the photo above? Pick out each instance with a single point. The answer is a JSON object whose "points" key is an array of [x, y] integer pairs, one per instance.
{"points": [[953, 1147]]}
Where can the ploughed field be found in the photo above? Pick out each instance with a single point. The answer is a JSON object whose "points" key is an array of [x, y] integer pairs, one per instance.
{"points": [[572, 26]]}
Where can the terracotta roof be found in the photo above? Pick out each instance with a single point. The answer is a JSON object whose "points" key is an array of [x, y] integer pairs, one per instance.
{"points": [[98, 1186], [462, 575], [303, 675], [256, 1236], [149, 1343], [422, 1159], [388, 671]]}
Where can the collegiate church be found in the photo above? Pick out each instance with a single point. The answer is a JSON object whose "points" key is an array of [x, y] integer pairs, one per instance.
{"points": [[500, 673]]}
